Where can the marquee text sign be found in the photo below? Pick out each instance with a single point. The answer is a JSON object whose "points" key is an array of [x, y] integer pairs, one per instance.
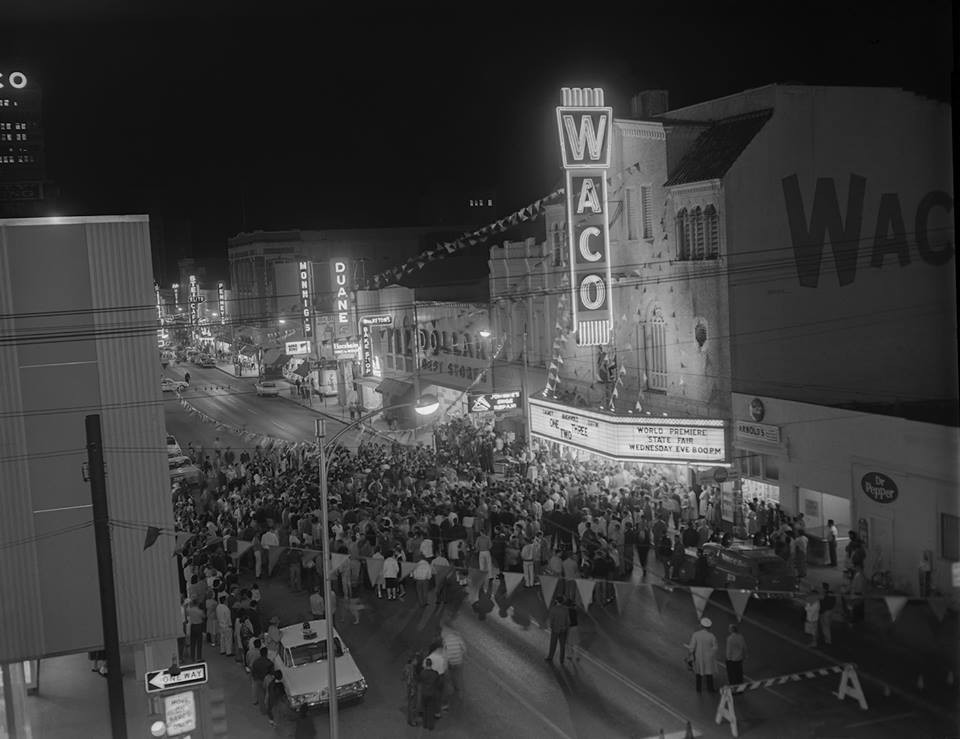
{"points": [[341, 299], [222, 303], [304, 281], [585, 126], [629, 438]]}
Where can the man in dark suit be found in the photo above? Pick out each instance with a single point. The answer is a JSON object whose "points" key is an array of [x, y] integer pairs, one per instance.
{"points": [[429, 694], [559, 618]]}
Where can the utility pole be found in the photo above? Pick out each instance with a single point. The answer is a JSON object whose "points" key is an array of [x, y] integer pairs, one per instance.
{"points": [[108, 595], [327, 565], [523, 392]]}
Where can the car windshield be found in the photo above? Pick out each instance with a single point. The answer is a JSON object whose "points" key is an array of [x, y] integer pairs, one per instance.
{"points": [[314, 651], [178, 462], [171, 440]]}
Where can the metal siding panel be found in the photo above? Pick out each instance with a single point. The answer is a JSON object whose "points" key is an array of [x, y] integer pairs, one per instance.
{"points": [[133, 429], [20, 613]]}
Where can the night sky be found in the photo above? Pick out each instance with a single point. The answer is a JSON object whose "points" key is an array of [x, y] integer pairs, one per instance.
{"points": [[232, 118]]}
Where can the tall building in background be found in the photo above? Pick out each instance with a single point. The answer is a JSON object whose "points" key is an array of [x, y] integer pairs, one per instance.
{"points": [[22, 162]]}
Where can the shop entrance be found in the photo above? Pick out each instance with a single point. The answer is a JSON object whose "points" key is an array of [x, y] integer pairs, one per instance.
{"points": [[818, 508]]}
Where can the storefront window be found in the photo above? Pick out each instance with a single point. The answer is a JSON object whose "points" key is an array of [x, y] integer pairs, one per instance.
{"points": [[771, 467], [950, 537]]}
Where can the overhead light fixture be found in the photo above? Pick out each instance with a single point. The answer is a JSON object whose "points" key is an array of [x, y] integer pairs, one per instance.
{"points": [[427, 405], [485, 333]]}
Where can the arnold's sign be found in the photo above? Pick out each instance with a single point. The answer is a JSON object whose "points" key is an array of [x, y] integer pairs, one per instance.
{"points": [[585, 127], [879, 487]]}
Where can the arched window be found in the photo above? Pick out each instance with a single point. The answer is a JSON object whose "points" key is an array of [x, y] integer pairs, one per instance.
{"points": [[697, 227], [712, 228], [683, 235], [655, 350]]}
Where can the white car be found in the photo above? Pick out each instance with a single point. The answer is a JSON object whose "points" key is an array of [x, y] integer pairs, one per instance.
{"points": [[173, 448], [183, 471], [168, 385], [268, 388], [302, 658]]}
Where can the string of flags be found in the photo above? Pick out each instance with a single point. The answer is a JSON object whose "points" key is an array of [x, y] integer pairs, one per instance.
{"points": [[527, 213], [562, 328], [585, 591]]}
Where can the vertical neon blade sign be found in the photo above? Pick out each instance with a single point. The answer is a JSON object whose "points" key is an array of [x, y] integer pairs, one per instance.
{"points": [[584, 125]]}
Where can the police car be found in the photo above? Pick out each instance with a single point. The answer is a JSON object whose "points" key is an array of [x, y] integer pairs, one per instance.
{"points": [[302, 657]]}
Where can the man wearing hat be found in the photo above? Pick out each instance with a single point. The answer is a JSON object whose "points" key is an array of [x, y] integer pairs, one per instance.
{"points": [[703, 651]]}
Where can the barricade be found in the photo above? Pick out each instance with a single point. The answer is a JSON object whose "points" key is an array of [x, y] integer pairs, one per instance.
{"points": [[849, 686]]}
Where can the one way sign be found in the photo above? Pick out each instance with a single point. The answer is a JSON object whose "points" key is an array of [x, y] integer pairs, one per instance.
{"points": [[158, 680]]}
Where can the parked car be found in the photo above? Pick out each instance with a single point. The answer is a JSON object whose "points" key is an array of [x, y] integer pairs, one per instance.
{"points": [[742, 566], [207, 362], [173, 448], [169, 385], [184, 471], [268, 388], [303, 659]]}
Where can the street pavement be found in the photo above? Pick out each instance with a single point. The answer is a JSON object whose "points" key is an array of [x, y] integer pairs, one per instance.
{"points": [[630, 680]]}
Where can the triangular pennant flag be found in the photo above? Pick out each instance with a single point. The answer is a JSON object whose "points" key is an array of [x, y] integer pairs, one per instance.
{"points": [[338, 560], [374, 568], [895, 604], [182, 537], [622, 589], [242, 546], [701, 596], [660, 596], [443, 572], [273, 556], [153, 533], [511, 580], [939, 607], [477, 578], [548, 584], [585, 590], [738, 599], [406, 568]]}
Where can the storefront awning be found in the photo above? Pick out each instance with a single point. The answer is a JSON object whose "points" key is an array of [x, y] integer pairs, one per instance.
{"points": [[282, 359], [394, 387], [248, 351], [303, 370]]}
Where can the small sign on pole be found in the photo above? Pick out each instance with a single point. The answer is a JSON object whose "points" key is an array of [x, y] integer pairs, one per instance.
{"points": [[180, 713], [157, 680]]}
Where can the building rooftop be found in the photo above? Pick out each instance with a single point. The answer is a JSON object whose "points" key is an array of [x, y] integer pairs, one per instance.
{"points": [[717, 148]]}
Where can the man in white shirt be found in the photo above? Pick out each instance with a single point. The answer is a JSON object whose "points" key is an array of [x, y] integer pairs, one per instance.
{"points": [[224, 627], [268, 540], [421, 576]]}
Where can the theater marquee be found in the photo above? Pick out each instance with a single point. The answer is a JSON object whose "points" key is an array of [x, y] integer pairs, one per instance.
{"points": [[627, 438], [585, 128]]}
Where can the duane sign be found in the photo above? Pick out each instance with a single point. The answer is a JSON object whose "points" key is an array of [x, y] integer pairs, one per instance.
{"points": [[585, 127]]}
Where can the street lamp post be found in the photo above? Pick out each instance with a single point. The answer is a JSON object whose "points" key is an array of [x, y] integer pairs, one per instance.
{"points": [[425, 406]]}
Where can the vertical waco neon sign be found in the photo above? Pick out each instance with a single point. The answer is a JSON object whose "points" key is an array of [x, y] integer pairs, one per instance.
{"points": [[584, 125]]}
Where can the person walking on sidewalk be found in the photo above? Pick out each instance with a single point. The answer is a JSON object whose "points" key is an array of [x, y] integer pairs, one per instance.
{"points": [[430, 694], [703, 651], [455, 651], [736, 653], [196, 617], [225, 626], [527, 554], [411, 680], [421, 576], [559, 618]]}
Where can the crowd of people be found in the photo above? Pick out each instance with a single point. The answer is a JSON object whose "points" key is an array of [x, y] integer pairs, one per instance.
{"points": [[443, 510]]}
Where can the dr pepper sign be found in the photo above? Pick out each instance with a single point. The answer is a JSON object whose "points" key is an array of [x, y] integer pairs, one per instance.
{"points": [[584, 125]]}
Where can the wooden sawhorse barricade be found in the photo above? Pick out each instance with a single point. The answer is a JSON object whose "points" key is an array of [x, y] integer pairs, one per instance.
{"points": [[849, 686]]}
